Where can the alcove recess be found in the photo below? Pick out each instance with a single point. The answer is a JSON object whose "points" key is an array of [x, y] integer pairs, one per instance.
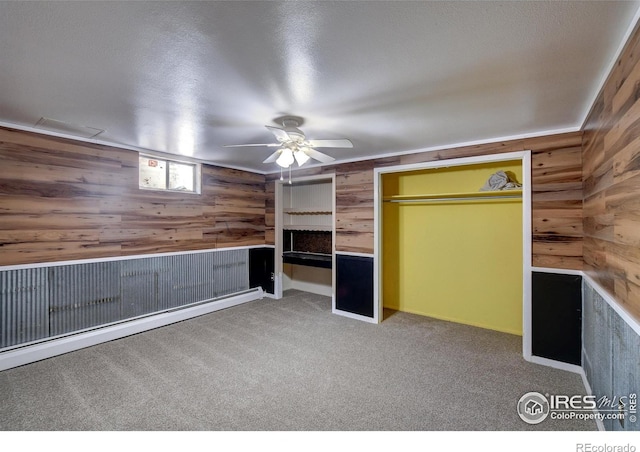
{"points": [[307, 236], [452, 251]]}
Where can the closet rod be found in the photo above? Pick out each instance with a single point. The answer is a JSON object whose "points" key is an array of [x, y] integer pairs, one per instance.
{"points": [[470, 198]]}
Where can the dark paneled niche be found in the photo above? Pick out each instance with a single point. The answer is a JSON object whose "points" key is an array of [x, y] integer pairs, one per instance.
{"points": [[307, 241], [310, 248]]}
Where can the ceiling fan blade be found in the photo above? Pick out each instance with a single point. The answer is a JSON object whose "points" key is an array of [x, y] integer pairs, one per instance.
{"points": [[273, 157], [319, 156], [280, 134], [344, 143], [269, 145]]}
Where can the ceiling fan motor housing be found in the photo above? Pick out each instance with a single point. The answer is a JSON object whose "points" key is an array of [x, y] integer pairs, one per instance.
{"points": [[293, 145], [291, 127]]}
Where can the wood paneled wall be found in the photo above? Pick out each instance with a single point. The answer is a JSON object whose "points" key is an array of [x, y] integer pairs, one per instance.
{"points": [[557, 196], [611, 172], [64, 200]]}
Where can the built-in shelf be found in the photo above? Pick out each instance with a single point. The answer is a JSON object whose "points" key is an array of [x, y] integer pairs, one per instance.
{"points": [[309, 211], [460, 196], [306, 227], [309, 259]]}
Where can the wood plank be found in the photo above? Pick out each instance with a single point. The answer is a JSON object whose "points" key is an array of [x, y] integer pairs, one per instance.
{"points": [[626, 231], [59, 221], [626, 163], [419, 157], [592, 151], [597, 221], [29, 146], [269, 236], [354, 242], [624, 65], [629, 91], [556, 210], [595, 254], [600, 179], [123, 236], [570, 157], [25, 253], [139, 209], [624, 196], [563, 262], [16, 236], [625, 264], [270, 220], [599, 227], [24, 204], [556, 142], [142, 222], [557, 225], [567, 192], [623, 131], [556, 246], [354, 219]]}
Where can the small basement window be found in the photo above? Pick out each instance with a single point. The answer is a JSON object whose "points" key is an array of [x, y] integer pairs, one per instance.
{"points": [[171, 175]]}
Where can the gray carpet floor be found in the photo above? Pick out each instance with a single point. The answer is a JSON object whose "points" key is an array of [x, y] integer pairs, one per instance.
{"points": [[287, 365]]}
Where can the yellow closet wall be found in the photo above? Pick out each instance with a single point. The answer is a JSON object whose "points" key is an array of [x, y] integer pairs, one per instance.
{"points": [[459, 261]]}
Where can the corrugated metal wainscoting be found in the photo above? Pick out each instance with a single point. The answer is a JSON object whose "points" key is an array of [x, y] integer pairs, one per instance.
{"points": [[611, 359], [40, 303]]}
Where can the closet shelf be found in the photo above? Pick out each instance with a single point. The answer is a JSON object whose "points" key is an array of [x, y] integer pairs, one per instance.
{"points": [[460, 196], [307, 211], [306, 227]]}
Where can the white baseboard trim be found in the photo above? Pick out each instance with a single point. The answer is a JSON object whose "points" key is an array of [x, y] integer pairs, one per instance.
{"points": [[32, 353], [125, 258], [310, 287], [556, 364], [351, 315], [615, 305], [558, 271], [587, 387], [349, 253]]}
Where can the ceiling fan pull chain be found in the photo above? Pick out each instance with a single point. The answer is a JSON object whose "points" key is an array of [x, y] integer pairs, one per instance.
{"points": [[281, 178], [289, 175]]}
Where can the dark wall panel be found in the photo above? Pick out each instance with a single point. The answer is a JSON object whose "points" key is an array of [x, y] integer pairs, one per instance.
{"points": [[262, 268], [354, 282], [556, 314]]}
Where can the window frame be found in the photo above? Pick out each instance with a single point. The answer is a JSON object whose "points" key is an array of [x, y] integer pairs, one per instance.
{"points": [[197, 174]]}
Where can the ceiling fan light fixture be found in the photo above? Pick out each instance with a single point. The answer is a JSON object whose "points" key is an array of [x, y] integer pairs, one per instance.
{"points": [[301, 157], [292, 145], [286, 158]]}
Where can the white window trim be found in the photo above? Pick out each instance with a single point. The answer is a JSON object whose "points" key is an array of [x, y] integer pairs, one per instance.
{"points": [[197, 177]]}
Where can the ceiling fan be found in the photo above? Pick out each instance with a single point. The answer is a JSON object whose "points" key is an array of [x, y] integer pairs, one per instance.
{"points": [[294, 146]]}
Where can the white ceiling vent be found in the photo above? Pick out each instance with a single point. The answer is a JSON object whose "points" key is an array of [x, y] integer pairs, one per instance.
{"points": [[53, 125]]}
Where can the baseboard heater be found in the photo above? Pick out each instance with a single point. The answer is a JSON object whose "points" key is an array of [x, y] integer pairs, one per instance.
{"points": [[29, 353]]}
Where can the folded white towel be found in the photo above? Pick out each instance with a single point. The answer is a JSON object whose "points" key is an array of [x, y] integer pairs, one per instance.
{"points": [[500, 181]]}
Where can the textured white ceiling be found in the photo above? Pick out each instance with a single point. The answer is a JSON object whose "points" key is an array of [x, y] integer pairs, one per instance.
{"points": [[189, 77]]}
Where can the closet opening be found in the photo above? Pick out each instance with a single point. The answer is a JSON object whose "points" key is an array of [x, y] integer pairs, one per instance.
{"points": [[305, 235], [453, 241]]}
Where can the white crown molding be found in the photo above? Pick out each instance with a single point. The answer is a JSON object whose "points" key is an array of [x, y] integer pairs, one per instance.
{"points": [[522, 136], [609, 68]]}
